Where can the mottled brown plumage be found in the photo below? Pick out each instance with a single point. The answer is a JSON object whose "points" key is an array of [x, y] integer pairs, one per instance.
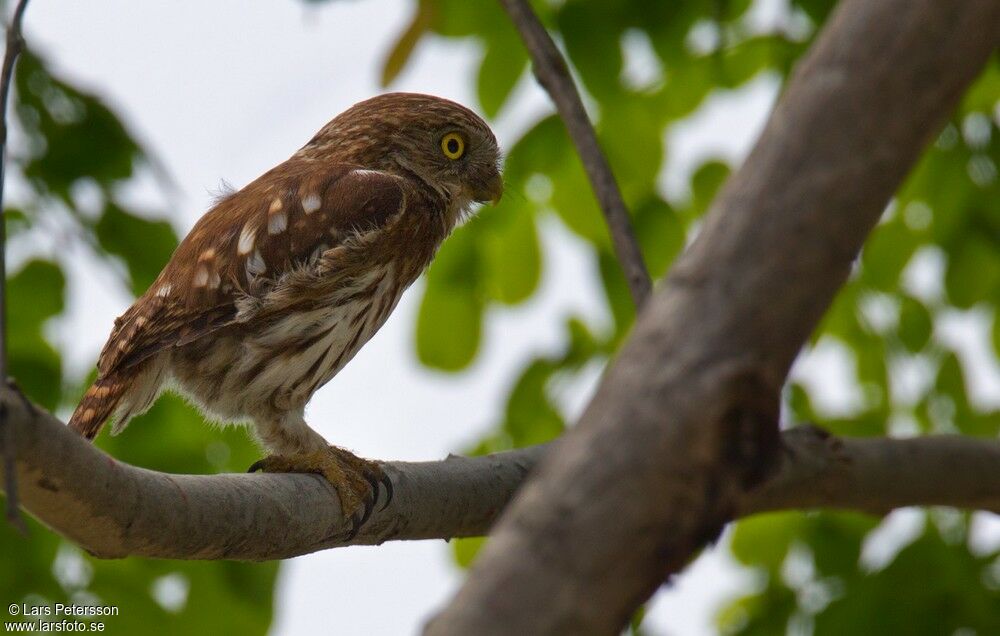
{"points": [[280, 284]]}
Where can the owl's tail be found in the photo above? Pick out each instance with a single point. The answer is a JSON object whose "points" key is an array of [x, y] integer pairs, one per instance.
{"points": [[97, 405]]}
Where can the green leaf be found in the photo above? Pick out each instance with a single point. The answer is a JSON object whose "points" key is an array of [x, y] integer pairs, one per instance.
{"points": [[573, 200], [510, 252], [448, 327], [915, 324], [950, 383], [27, 563], [66, 126], [36, 367], [984, 93], [531, 417], [836, 538], [592, 34], [617, 292], [996, 332], [929, 588], [144, 245], [637, 149], [544, 146], [800, 403], [15, 221], [973, 271], [459, 18], [400, 53], [764, 540], [763, 614], [466, 550], [817, 10], [503, 64], [35, 294], [448, 323], [660, 232], [886, 253], [705, 185]]}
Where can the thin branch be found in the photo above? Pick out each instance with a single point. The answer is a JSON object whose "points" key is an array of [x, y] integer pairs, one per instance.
{"points": [[877, 474], [15, 44], [685, 419], [553, 74], [112, 509]]}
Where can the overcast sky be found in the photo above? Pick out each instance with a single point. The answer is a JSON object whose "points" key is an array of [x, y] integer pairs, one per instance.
{"points": [[225, 89]]}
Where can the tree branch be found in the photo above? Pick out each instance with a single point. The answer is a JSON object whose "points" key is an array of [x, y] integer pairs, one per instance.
{"points": [[14, 46], [112, 509], [879, 474], [685, 420], [552, 73]]}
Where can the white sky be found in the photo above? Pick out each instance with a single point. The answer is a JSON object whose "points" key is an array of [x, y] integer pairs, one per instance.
{"points": [[224, 89]]}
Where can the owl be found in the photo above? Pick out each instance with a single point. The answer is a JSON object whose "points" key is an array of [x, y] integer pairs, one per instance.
{"points": [[279, 284]]}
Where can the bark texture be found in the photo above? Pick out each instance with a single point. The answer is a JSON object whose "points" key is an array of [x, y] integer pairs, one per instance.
{"points": [[112, 509], [685, 421]]}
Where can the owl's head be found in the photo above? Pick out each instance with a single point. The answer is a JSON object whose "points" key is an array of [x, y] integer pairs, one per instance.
{"points": [[443, 144]]}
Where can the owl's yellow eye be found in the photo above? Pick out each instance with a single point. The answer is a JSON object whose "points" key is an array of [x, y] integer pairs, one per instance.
{"points": [[452, 145]]}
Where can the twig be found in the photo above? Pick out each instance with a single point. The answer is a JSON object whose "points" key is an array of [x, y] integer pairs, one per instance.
{"points": [[15, 44], [552, 73]]}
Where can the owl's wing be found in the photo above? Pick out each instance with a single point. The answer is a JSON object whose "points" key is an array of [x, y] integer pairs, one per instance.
{"points": [[273, 225]]}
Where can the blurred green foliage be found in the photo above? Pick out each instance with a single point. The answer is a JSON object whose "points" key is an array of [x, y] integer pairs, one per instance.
{"points": [[945, 220], [947, 212], [73, 141]]}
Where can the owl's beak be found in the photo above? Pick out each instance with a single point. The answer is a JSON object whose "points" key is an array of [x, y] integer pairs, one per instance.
{"points": [[491, 191]]}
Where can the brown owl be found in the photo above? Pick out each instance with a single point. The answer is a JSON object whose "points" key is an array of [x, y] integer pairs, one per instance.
{"points": [[280, 284]]}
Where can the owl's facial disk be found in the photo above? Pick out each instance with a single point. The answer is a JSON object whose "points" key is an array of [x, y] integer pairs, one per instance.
{"points": [[467, 164], [444, 144]]}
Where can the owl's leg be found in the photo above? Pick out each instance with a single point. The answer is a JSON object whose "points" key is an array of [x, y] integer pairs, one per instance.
{"points": [[299, 449]]}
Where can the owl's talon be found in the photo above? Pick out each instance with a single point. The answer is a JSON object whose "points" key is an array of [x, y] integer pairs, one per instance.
{"points": [[387, 483], [366, 510], [356, 522], [355, 479]]}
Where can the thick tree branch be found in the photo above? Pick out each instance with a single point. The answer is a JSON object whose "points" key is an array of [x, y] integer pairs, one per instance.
{"points": [[684, 421], [14, 46], [113, 509], [553, 74]]}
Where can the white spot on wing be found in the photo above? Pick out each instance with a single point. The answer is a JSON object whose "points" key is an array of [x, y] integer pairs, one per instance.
{"points": [[361, 172], [310, 203], [164, 291], [247, 237], [276, 223], [201, 277], [214, 280]]}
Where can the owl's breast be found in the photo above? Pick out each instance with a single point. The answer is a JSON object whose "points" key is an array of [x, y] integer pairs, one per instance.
{"points": [[296, 333], [277, 364]]}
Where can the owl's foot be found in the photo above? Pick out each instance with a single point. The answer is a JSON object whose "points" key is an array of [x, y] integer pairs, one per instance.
{"points": [[356, 480]]}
